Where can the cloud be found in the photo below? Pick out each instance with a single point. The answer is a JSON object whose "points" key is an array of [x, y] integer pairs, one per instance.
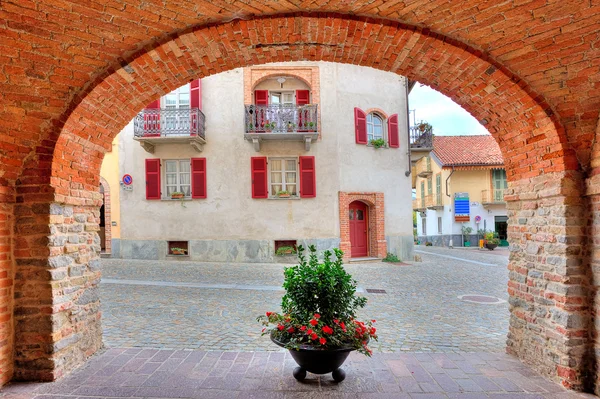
{"points": [[446, 117]]}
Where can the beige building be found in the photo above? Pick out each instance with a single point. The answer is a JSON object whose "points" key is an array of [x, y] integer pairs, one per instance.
{"points": [[461, 183], [242, 163]]}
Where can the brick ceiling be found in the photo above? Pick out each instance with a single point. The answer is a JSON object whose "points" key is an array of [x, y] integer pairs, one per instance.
{"points": [[53, 52]]}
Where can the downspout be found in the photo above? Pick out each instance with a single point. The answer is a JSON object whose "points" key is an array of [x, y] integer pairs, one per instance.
{"points": [[448, 178], [408, 88]]}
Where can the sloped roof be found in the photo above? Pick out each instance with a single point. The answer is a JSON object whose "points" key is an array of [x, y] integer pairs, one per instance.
{"points": [[467, 150]]}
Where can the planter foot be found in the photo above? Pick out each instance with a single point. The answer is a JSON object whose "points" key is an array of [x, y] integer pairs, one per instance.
{"points": [[299, 373], [338, 375]]}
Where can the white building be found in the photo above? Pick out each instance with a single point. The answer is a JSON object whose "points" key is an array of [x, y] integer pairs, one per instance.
{"points": [[314, 177]]}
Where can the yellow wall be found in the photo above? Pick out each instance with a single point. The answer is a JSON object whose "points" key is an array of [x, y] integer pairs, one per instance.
{"points": [[468, 181], [110, 172]]}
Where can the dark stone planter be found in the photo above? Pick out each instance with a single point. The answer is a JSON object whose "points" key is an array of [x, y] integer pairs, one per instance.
{"points": [[318, 361], [490, 246]]}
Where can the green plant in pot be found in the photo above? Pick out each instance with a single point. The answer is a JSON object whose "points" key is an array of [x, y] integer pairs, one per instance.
{"points": [[466, 231], [318, 322], [284, 194], [177, 251], [491, 240], [286, 250], [377, 143]]}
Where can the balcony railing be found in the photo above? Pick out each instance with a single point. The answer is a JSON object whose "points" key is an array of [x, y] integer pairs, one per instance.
{"points": [[169, 123], [495, 196], [424, 168], [421, 138], [278, 118]]}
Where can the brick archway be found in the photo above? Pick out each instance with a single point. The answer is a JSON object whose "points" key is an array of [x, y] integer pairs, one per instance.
{"points": [[377, 243], [57, 184]]}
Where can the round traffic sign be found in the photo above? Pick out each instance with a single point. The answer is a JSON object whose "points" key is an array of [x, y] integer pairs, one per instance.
{"points": [[127, 180]]}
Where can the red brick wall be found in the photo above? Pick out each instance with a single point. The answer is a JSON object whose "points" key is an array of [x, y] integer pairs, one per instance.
{"points": [[377, 243], [73, 76]]}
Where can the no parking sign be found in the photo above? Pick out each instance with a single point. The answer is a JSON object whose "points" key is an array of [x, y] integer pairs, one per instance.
{"points": [[477, 219], [127, 180]]}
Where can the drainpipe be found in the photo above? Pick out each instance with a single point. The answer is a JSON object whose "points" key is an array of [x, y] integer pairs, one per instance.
{"points": [[448, 178], [408, 88]]}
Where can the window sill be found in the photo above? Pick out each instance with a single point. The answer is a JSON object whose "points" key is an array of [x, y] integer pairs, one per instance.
{"points": [[176, 199], [285, 198]]}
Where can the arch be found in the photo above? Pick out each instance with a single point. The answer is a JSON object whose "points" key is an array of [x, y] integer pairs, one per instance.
{"points": [[540, 162], [379, 111], [287, 74], [376, 234]]}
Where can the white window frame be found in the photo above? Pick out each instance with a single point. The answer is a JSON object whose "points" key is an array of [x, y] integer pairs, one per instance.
{"points": [[179, 93], [371, 127], [179, 186], [283, 174], [282, 93]]}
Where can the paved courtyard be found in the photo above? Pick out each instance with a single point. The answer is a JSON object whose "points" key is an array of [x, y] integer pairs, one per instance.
{"points": [[185, 305]]}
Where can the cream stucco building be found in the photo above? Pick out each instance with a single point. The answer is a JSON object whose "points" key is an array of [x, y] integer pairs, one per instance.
{"points": [[461, 183], [265, 157]]}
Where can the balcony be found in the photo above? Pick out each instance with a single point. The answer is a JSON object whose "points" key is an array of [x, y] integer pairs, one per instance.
{"points": [[172, 126], [421, 141], [434, 201], [492, 197], [419, 204], [424, 169], [281, 122]]}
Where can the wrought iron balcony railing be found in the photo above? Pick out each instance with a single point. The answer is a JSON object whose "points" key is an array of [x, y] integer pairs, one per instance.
{"points": [[279, 118], [492, 196], [169, 123], [421, 137]]}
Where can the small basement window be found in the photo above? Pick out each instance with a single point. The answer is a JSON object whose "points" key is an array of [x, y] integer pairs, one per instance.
{"points": [[285, 247], [177, 248]]}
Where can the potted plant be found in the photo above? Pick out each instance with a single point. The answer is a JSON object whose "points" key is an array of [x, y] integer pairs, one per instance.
{"points": [[177, 251], [491, 240], [284, 194], [318, 322], [250, 127], [286, 250], [291, 126], [311, 126], [424, 126], [269, 126], [377, 143], [177, 195], [466, 230]]}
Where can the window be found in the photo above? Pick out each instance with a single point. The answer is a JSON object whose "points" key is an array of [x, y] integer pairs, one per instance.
{"points": [[500, 184], [439, 225], [177, 177], [283, 174], [374, 127], [424, 226], [285, 97], [429, 186], [178, 98], [438, 189]]}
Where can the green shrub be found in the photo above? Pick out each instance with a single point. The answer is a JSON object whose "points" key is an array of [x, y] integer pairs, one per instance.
{"points": [[390, 257]]}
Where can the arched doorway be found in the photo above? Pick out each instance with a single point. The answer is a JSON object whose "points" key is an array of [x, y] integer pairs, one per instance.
{"points": [[105, 221], [358, 214], [540, 162]]}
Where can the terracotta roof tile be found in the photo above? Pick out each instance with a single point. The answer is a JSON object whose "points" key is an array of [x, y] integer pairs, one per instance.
{"points": [[467, 150]]}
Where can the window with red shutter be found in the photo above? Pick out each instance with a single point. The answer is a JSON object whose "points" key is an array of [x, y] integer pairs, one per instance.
{"points": [[302, 97], [259, 177], [393, 137], [308, 181], [153, 179], [360, 126], [198, 177]]}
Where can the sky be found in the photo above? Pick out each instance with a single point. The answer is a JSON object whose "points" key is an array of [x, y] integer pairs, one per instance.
{"points": [[446, 117]]}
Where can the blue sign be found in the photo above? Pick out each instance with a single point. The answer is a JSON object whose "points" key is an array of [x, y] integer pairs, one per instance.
{"points": [[461, 207], [127, 180]]}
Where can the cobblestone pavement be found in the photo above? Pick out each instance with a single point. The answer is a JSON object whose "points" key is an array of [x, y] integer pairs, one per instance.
{"points": [[186, 305], [151, 373]]}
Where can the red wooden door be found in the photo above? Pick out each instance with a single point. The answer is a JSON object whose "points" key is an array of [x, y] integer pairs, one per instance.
{"points": [[358, 214]]}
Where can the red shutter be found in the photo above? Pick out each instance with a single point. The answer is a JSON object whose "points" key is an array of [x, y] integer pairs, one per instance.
{"points": [[302, 97], [360, 126], [196, 94], [153, 179], [393, 139], [261, 97], [308, 181], [198, 177], [259, 177]]}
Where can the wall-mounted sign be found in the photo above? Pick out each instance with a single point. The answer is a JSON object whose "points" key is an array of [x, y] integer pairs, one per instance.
{"points": [[461, 207], [477, 219], [127, 180]]}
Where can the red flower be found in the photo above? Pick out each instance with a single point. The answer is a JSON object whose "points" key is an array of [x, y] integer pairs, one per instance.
{"points": [[327, 330], [313, 322], [372, 331], [323, 341], [280, 327], [290, 330], [317, 316], [309, 331], [314, 336], [373, 321], [336, 321], [303, 328], [269, 314], [343, 326]]}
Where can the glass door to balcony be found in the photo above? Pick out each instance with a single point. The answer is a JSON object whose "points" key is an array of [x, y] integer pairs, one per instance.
{"points": [[176, 117]]}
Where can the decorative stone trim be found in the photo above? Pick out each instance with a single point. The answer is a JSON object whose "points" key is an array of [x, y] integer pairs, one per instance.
{"points": [[376, 235]]}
